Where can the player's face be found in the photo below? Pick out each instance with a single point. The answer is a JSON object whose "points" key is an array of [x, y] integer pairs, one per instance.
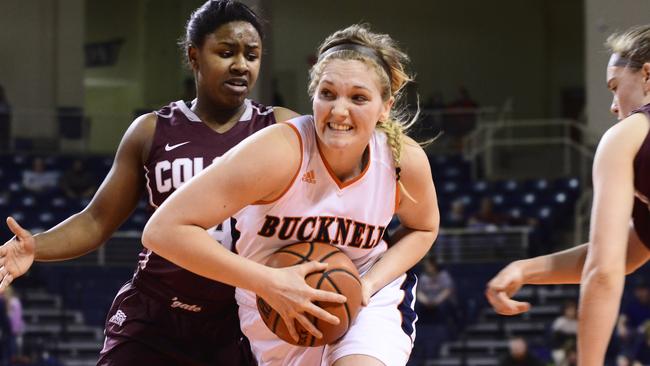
{"points": [[228, 63], [628, 87], [347, 104]]}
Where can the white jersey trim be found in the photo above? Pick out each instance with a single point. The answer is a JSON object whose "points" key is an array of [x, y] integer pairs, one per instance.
{"points": [[245, 117], [187, 112], [148, 185]]}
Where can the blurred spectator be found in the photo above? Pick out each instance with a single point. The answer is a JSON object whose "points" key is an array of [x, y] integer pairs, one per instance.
{"points": [[5, 120], [433, 109], [437, 309], [570, 354], [456, 216], [48, 359], [78, 182], [16, 321], [464, 102], [460, 117], [5, 334], [486, 217], [640, 354], [564, 330], [623, 361], [519, 355], [633, 315], [435, 103], [436, 293], [39, 180]]}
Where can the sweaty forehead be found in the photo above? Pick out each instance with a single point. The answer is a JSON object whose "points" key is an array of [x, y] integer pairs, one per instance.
{"points": [[350, 71], [237, 31]]}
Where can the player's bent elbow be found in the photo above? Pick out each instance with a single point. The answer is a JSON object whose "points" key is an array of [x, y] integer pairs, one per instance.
{"points": [[604, 276], [152, 235], [430, 236]]}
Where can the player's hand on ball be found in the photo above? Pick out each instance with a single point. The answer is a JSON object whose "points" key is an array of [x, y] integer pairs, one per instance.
{"points": [[293, 298], [16, 255], [502, 287]]}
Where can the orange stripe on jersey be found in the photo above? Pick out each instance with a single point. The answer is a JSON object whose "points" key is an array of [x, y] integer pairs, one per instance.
{"points": [[262, 202], [397, 196], [336, 179]]}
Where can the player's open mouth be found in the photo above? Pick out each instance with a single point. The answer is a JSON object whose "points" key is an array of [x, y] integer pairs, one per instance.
{"points": [[237, 84], [338, 126]]}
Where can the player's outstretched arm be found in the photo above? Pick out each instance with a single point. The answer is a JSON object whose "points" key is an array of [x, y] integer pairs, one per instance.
{"points": [[259, 168], [563, 267], [87, 230]]}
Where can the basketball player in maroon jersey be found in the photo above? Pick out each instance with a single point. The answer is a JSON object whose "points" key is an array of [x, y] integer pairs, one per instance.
{"points": [[166, 315], [617, 245]]}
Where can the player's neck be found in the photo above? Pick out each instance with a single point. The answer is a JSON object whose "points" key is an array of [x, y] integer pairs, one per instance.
{"points": [[219, 119], [344, 164]]}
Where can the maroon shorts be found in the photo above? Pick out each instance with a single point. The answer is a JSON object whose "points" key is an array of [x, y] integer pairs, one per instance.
{"points": [[145, 327]]}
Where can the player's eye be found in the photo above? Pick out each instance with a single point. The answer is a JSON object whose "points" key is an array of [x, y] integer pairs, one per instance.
{"points": [[359, 98], [326, 94]]}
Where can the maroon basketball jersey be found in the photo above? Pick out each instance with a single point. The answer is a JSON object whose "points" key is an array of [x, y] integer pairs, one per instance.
{"points": [[182, 146], [641, 212]]}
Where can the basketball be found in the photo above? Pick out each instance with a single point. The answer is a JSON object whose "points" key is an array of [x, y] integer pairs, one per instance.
{"points": [[341, 276]]}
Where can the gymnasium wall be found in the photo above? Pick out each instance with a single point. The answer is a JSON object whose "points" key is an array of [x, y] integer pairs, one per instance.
{"points": [[41, 61], [524, 50], [527, 51]]}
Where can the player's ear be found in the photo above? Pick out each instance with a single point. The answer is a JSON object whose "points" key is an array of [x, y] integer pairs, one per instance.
{"points": [[192, 56], [645, 71], [386, 108]]}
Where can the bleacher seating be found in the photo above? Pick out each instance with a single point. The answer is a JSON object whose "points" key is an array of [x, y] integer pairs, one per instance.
{"points": [[84, 293], [550, 202], [40, 211]]}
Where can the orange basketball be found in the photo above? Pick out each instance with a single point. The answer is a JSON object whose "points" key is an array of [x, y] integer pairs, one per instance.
{"points": [[341, 276]]}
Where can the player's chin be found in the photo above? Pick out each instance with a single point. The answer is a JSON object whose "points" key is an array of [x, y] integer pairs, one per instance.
{"points": [[232, 101], [336, 144]]}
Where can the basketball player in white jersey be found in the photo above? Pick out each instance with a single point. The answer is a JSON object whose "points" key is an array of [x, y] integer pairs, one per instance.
{"points": [[337, 177]]}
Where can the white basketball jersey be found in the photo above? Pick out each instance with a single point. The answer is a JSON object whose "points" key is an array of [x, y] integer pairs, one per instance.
{"points": [[318, 207]]}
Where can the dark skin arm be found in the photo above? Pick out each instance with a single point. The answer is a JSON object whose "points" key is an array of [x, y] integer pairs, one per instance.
{"points": [[87, 230]]}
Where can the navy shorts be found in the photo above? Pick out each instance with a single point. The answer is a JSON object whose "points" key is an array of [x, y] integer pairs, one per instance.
{"points": [[144, 327]]}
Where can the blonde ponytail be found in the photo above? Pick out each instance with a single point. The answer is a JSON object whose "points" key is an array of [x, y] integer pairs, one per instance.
{"points": [[394, 131]]}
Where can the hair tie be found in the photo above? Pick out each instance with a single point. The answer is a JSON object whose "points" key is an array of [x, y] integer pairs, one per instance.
{"points": [[398, 170]]}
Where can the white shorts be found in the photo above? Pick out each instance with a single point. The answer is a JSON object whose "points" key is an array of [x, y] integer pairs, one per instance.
{"points": [[385, 330]]}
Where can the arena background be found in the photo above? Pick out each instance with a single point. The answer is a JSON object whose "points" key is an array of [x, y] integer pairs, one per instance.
{"points": [[76, 73]]}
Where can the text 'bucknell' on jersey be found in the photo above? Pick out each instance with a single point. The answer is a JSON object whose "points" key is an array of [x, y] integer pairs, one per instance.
{"points": [[346, 232]]}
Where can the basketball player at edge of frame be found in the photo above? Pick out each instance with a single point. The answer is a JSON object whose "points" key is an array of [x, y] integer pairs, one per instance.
{"points": [[364, 171], [619, 236]]}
